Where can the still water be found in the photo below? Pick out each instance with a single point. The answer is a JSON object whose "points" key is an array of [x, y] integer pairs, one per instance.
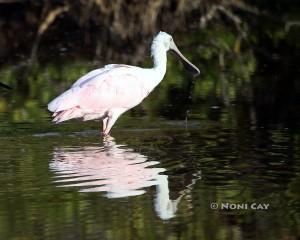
{"points": [[217, 157], [156, 178]]}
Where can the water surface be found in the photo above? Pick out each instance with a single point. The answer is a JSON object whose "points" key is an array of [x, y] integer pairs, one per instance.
{"points": [[178, 165], [149, 183]]}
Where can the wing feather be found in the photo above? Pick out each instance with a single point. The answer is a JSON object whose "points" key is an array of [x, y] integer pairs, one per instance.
{"points": [[114, 86], [93, 74]]}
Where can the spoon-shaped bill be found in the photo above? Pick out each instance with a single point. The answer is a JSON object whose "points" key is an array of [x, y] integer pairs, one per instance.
{"points": [[186, 63]]}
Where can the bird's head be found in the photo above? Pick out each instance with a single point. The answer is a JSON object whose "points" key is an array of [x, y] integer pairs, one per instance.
{"points": [[166, 41], [163, 39]]}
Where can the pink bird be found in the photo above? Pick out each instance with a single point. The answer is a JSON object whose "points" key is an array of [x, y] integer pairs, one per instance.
{"points": [[108, 92]]}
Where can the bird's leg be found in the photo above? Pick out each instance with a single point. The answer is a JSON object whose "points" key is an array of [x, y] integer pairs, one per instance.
{"points": [[104, 124], [110, 122], [111, 119]]}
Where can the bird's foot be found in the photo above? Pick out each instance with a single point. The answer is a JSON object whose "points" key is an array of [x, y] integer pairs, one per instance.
{"points": [[107, 139], [105, 135]]}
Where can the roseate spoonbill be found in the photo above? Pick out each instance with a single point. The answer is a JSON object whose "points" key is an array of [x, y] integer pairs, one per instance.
{"points": [[108, 92]]}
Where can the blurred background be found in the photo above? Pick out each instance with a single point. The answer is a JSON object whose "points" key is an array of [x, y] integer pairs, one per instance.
{"points": [[230, 135], [247, 52]]}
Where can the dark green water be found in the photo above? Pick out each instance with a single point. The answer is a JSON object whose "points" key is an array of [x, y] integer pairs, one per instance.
{"points": [[156, 178], [149, 183], [213, 157]]}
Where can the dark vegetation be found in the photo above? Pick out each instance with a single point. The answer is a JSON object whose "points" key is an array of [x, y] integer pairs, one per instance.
{"points": [[247, 52]]}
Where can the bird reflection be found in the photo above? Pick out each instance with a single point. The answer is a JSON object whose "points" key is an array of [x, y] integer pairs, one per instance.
{"points": [[114, 169]]}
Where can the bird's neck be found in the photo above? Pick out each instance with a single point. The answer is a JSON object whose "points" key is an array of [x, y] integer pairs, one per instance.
{"points": [[159, 55]]}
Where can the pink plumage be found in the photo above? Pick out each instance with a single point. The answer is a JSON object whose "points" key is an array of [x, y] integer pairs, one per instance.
{"points": [[108, 92], [101, 94]]}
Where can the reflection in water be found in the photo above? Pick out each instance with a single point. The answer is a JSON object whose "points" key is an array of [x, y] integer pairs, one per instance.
{"points": [[114, 169]]}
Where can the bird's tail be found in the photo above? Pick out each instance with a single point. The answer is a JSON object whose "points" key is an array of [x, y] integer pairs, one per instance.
{"points": [[65, 115]]}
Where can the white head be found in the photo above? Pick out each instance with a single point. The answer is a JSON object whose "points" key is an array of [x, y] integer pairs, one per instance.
{"points": [[164, 42], [163, 39]]}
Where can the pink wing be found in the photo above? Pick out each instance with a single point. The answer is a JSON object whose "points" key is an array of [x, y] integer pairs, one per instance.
{"points": [[117, 87], [93, 74]]}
